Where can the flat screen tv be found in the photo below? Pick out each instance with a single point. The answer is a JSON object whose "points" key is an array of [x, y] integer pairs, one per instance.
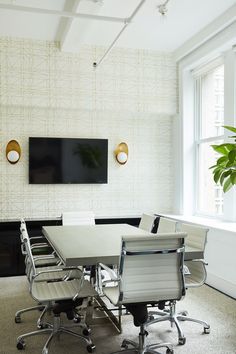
{"points": [[67, 160]]}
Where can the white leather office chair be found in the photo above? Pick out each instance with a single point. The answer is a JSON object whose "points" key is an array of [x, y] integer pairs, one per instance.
{"points": [[41, 263], [62, 292], [42, 252], [147, 222], [150, 270], [81, 218], [78, 218], [195, 271], [166, 225], [194, 274]]}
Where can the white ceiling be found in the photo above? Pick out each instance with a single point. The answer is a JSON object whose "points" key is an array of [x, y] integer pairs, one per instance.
{"points": [[148, 30]]}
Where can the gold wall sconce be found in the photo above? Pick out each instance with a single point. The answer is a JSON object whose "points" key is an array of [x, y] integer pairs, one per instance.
{"points": [[13, 152], [121, 153]]}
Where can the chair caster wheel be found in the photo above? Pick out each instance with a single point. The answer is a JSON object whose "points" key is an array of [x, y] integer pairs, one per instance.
{"points": [[170, 351], [182, 341], [206, 330], [86, 331], [184, 313], [77, 319], [151, 318], [42, 326], [17, 319], [20, 344], [91, 348], [124, 344]]}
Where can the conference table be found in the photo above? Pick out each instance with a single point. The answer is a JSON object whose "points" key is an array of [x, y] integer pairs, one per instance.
{"points": [[83, 245], [86, 245]]}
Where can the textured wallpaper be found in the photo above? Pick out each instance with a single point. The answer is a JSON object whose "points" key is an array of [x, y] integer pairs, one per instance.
{"points": [[131, 97]]}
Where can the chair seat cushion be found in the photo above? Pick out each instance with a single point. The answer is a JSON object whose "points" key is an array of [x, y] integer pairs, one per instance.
{"points": [[61, 290]]}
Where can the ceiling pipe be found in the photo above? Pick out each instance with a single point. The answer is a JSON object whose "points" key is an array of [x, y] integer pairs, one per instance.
{"points": [[126, 23], [67, 14]]}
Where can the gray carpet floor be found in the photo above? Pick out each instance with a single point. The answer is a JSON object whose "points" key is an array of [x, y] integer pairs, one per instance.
{"points": [[203, 303]]}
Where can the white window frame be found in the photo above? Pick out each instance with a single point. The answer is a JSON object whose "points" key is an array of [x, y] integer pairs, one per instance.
{"points": [[185, 175], [198, 140]]}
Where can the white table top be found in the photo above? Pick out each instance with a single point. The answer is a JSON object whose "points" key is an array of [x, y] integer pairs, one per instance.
{"points": [[89, 244]]}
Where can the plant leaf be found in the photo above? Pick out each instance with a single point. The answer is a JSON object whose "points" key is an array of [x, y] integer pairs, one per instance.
{"points": [[223, 148], [227, 185], [228, 127], [233, 177], [224, 171], [217, 176], [232, 155], [218, 168], [222, 159], [223, 176]]}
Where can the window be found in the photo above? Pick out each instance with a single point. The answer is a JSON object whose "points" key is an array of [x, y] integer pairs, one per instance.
{"points": [[209, 118]]}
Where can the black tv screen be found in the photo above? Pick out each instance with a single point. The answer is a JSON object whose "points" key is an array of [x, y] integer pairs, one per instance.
{"points": [[67, 160]]}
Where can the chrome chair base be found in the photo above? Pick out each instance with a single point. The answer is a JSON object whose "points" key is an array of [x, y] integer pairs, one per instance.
{"points": [[20, 312], [45, 308], [168, 316], [182, 316], [174, 319], [142, 347], [56, 329]]}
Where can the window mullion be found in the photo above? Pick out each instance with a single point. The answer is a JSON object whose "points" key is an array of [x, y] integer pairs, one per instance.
{"points": [[197, 113]]}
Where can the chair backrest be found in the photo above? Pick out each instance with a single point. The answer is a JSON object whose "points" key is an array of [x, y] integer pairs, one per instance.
{"points": [[166, 225], [26, 250], [22, 227], [151, 268], [197, 235], [147, 222], [78, 218]]}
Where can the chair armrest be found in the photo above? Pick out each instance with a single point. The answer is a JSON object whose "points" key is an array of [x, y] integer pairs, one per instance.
{"points": [[61, 269], [44, 256], [199, 260], [112, 274], [40, 245], [37, 238], [105, 282]]}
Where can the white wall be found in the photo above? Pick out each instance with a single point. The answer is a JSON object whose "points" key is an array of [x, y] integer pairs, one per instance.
{"points": [[220, 255], [131, 97]]}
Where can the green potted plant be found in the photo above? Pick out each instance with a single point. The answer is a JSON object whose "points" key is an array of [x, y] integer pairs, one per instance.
{"points": [[224, 171]]}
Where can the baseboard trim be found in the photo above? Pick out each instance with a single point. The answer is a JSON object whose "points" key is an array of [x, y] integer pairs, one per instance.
{"points": [[222, 285]]}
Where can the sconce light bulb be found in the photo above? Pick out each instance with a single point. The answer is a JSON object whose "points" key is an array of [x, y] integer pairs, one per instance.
{"points": [[122, 157], [13, 156]]}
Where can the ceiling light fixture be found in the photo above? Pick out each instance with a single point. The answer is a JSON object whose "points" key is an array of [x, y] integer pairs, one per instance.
{"points": [[162, 8]]}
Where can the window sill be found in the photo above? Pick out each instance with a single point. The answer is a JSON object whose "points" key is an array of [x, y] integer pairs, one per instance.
{"points": [[208, 222]]}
